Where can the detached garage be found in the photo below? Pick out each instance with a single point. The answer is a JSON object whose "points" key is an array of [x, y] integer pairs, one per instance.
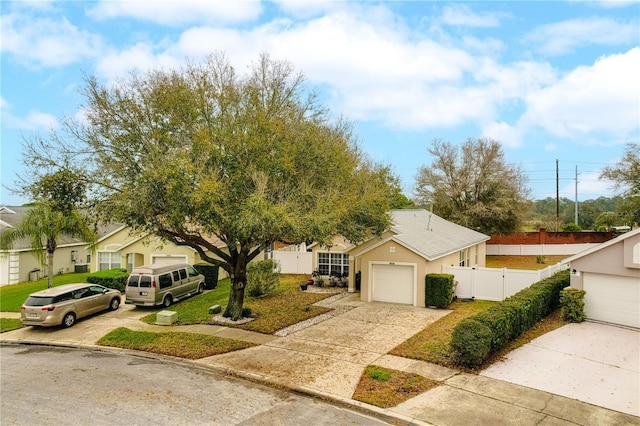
{"points": [[610, 275]]}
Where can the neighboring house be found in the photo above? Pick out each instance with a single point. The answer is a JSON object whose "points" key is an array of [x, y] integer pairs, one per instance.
{"points": [[610, 275], [116, 247], [393, 266], [20, 264], [123, 249]]}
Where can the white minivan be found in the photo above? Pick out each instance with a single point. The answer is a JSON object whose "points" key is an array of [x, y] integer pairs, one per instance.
{"points": [[153, 285]]}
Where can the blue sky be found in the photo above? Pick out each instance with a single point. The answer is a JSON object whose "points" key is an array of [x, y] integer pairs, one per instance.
{"points": [[549, 80]]}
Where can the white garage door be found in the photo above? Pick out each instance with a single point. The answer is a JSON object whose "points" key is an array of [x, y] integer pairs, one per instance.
{"points": [[612, 299], [167, 260], [393, 283]]}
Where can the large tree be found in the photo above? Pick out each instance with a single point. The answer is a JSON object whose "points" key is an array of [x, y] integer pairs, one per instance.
{"points": [[203, 151], [55, 214], [626, 176], [472, 185]]}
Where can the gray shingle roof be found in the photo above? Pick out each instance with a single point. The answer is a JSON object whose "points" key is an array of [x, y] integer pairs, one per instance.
{"points": [[13, 215], [430, 235]]}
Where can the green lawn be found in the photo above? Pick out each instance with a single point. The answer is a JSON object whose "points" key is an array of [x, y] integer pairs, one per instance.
{"points": [[8, 324], [284, 307], [432, 343], [13, 296], [183, 345]]}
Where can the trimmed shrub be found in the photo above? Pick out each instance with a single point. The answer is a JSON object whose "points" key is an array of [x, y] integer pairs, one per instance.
{"points": [[471, 342], [262, 277], [210, 273], [572, 302], [510, 318], [111, 278], [438, 290]]}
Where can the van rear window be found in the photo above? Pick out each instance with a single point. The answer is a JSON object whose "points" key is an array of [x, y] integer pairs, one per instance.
{"points": [[38, 301], [139, 281]]}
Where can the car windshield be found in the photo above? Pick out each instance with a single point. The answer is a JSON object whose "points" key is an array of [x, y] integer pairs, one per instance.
{"points": [[38, 301]]}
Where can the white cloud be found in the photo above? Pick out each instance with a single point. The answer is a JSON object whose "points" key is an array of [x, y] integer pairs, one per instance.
{"points": [[566, 36], [175, 13], [602, 98], [34, 120], [46, 42], [506, 134], [139, 57], [461, 15]]}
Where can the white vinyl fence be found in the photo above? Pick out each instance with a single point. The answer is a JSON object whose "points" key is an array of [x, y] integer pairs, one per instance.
{"points": [[294, 262], [496, 283], [537, 249]]}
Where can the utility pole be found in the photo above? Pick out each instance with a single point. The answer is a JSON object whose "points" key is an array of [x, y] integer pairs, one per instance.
{"points": [[557, 196], [576, 213]]}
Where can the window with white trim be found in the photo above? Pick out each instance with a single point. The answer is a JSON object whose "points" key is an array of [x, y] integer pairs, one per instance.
{"points": [[109, 260], [333, 264], [464, 258]]}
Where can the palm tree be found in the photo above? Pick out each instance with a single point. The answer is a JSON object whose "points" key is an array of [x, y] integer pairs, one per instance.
{"points": [[43, 226]]}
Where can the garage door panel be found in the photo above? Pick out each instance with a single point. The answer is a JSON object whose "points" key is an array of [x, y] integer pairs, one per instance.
{"points": [[393, 283], [168, 260], [612, 299]]}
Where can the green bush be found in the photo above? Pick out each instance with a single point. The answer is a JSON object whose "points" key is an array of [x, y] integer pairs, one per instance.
{"points": [[471, 342], [511, 318], [210, 273], [438, 290], [572, 302], [570, 227], [112, 278], [262, 277]]}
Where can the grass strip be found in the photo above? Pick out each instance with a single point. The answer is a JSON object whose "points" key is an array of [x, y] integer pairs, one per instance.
{"points": [[178, 344], [384, 387], [432, 343], [8, 324]]}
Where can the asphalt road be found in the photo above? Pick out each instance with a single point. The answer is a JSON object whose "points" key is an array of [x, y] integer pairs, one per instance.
{"points": [[51, 385]]}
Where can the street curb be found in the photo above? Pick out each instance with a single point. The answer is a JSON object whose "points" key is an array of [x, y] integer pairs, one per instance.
{"points": [[361, 407]]}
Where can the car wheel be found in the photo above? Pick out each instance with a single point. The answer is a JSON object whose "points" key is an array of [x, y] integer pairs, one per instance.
{"points": [[115, 304], [166, 302], [69, 319], [200, 288]]}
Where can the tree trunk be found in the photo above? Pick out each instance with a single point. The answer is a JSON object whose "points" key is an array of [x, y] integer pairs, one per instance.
{"points": [[238, 276], [236, 301], [49, 269]]}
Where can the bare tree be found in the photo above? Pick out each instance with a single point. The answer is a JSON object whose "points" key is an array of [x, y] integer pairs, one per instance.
{"points": [[472, 185]]}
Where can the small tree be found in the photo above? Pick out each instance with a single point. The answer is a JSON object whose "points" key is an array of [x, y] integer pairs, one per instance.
{"points": [[626, 175], [53, 215], [472, 185], [262, 277]]}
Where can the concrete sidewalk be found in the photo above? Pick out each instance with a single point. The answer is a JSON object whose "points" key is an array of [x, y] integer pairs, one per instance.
{"points": [[327, 359]]}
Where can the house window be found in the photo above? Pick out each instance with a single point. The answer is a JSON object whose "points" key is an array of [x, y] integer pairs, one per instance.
{"points": [[333, 264], [108, 260], [464, 258]]}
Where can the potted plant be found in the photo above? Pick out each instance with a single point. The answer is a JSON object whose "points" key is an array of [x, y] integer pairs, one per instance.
{"points": [[303, 286]]}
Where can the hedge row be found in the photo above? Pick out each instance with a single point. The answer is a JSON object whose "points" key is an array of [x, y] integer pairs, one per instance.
{"points": [[112, 278], [476, 337]]}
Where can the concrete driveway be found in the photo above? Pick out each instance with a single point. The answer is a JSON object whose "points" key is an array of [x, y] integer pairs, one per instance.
{"points": [[331, 355], [590, 362]]}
